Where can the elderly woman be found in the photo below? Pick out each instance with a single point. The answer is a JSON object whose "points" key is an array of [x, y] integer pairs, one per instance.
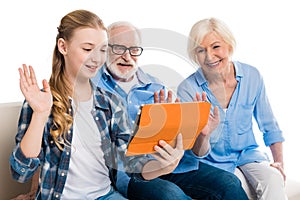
{"points": [[238, 90]]}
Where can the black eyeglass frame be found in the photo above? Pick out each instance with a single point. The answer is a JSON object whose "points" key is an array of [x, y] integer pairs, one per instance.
{"points": [[125, 49]]}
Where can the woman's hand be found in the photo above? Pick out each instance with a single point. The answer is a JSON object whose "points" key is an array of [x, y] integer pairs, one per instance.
{"points": [[39, 101], [279, 167], [213, 120], [202, 144]]}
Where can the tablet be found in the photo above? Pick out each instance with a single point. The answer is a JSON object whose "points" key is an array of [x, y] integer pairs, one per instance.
{"points": [[164, 121]]}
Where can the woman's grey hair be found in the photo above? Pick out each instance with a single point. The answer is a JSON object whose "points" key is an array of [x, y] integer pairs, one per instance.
{"points": [[201, 28]]}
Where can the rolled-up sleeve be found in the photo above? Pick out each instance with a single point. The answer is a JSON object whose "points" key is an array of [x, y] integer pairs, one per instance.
{"points": [[22, 168], [265, 118]]}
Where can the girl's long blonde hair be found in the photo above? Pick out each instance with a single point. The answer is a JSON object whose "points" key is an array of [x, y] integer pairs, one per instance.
{"points": [[61, 88]]}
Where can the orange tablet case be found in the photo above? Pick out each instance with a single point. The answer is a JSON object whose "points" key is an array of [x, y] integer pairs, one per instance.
{"points": [[163, 121]]}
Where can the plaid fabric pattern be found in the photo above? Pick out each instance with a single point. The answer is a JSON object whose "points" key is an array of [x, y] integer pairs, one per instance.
{"points": [[111, 119]]}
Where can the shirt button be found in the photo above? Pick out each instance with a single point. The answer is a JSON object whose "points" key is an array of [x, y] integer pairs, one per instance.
{"points": [[62, 174], [51, 142], [69, 131], [97, 118], [68, 153], [56, 196], [132, 121], [23, 170]]}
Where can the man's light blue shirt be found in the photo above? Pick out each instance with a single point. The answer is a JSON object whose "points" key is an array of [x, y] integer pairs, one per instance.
{"points": [[233, 142]]}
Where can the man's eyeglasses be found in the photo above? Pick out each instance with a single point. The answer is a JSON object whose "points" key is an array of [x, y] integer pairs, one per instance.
{"points": [[121, 49]]}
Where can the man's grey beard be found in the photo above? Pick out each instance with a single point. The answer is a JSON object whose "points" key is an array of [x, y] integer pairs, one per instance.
{"points": [[127, 75]]}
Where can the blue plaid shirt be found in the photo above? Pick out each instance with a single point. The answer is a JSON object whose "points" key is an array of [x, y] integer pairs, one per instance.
{"points": [[115, 132]]}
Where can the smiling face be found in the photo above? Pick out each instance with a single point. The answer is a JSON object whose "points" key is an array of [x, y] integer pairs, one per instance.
{"points": [[85, 53], [213, 54], [122, 67]]}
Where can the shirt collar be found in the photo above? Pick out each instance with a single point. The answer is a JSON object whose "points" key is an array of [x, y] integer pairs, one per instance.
{"points": [[238, 71], [200, 77], [143, 77]]}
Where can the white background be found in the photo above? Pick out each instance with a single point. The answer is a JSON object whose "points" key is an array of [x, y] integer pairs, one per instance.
{"points": [[267, 33]]}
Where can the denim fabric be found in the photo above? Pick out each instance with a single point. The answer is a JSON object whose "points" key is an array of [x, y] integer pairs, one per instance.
{"points": [[112, 195], [157, 189], [208, 182]]}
